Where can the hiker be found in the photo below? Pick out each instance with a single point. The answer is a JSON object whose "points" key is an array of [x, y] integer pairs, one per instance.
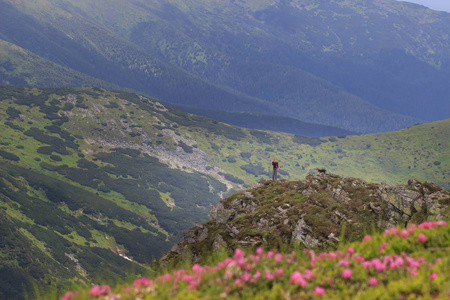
{"points": [[275, 170]]}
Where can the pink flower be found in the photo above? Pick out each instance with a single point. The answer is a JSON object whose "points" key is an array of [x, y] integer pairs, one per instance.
{"points": [[297, 277], [238, 253], [319, 290], [413, 272], [399, 261], [223, 295], [422, 238], [373, 281], [347, 273], [69, 295], [279, 272], [95, 291], [332, 255], [433, 275], [383, 246], [228, 274], [350, 250], [404, 233], [246, 277], [237, 282], [360, 258], [269, 276], [257, 275], [196, 267], [105, 289], [380, 267], [270, 254], [367, 237], [259, 251], [278, 257], [343, 262], [308, 274]]}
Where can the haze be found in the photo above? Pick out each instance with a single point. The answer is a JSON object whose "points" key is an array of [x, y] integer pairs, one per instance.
{"points": [[443, 5]]}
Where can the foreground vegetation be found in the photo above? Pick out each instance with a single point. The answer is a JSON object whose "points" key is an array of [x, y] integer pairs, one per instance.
{"points": [[399, 264]]}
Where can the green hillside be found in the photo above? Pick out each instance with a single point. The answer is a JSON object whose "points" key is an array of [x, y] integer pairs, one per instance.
{"points": [[358, 65], [104, 182], [22, 67]]}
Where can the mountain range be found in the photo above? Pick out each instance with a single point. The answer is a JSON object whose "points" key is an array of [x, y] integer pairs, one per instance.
{"points": [[116, 144], [362, 66], [102, 183]]}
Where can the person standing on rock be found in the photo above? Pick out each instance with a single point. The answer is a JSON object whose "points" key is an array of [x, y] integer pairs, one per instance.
{"points": [[275, 170]]}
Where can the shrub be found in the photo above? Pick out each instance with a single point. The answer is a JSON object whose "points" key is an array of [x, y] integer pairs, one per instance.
{"points": [[246, 154], [9, 156], [55, 157]]}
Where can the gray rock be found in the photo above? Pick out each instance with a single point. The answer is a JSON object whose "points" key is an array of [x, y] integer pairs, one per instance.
{"points": [[301, 234], [248, 195], [196, 234], [309, 191], [222, 214], [219, 243], [262, 225], [232, 230]]}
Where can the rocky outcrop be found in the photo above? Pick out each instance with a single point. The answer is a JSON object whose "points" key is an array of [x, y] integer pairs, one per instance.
{"points": [[311, 213]]}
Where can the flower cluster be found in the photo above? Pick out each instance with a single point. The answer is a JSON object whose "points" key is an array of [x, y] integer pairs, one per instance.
{"points": [[356, 269]]}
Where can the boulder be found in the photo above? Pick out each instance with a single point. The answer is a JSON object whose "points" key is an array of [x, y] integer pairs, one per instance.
{"points": [[196, 234]]}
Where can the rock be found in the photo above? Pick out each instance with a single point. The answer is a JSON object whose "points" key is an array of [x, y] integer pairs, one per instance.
{"points": [[374, 208], [222, 214], [338, 193], [219, 243], [301, 234], [402, 198], [333, 240], [232, 230], [196, 234], [248, 195], [262, 225], [309, 191], [177, 249], [213, 212]]}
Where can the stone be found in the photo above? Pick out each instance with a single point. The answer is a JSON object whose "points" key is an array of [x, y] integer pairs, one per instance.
{"points": [[222, 214], [248, 195], [196, 234], [309, 191], [232, 230], [301, 234], [219, 243]]}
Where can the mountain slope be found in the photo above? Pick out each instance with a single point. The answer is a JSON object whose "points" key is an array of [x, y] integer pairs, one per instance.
{"points": [[298, 59], [92, 177], [21, 67]]}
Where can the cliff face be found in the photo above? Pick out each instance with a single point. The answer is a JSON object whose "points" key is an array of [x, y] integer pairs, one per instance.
{"points": [[313, 213]]}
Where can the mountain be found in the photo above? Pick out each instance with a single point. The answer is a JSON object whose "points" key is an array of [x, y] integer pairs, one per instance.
{"points": [[39, 72], [362, 66], [101, 183], [267, 122], [315, 213]]}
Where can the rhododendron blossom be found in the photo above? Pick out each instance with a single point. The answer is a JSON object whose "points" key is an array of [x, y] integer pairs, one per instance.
{"points": [[373, 281], [346, 273], [422, 238]]}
